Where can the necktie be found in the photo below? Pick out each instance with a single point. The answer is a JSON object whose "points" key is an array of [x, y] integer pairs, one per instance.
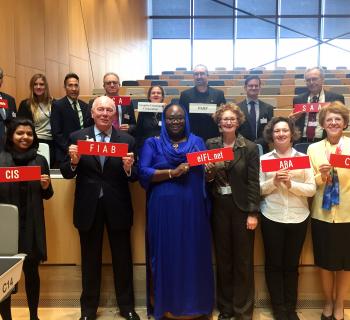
{"points": [[252, 118], [79, 114], [102, 139], [115, 122], [311, 128]]}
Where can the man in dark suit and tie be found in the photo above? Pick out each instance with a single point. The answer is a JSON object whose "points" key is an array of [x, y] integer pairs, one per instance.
{"points": [[68, 115], [311, 131], [125, 116], [5, 114], [102, 198], [257, 112], [202, 124]]}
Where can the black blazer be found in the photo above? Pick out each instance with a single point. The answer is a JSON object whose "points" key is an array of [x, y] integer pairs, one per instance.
{"points": [[201, 124], [10, 113], [147, 126], [303, 98], [265, 113], [128, 116], [90, 178], [243, 173], [64, 120]]}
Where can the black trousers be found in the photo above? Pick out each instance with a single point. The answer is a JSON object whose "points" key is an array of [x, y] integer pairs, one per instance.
{"points": [[283, 243], [234, 249], [91, 261], [32, 287]]}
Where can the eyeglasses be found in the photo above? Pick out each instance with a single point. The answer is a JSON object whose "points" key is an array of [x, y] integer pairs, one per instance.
{"points": [[109, 83], [314, 79], [197, 74], [229, 120], [174, 119]]}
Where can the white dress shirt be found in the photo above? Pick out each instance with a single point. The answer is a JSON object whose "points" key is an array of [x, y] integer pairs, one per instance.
{"points": [[281, 204]]}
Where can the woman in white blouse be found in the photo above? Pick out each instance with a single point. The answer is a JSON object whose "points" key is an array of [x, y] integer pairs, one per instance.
{"points": [[285, 212]]}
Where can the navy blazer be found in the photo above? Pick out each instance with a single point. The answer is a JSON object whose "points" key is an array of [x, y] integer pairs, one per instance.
{"points": [[64, 120], [265, 115], [90, 178]]}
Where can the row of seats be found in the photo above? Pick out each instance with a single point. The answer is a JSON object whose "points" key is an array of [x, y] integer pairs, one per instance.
{"points": [[228, 89]]}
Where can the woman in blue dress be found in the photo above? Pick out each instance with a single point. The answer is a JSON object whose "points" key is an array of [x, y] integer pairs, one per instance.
{"points": [[178, 235]]}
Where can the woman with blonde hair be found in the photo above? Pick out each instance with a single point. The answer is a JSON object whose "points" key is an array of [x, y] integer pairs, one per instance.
{"points": [[37, 108]]}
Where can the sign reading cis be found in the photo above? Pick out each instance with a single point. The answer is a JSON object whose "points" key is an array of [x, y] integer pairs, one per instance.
{"points": [[207, 156], [309, 107], [4, 103], [14, 174], [293, 163], [107, 149], [122, 101], [339, 160]]}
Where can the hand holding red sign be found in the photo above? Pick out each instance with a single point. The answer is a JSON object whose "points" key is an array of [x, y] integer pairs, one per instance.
{"points": [[207, 156], [74, 155], [16, 174], [282, 176], [128, 161], [181, 169], [45, 181], [4, 104], [293, 163], [122, 101]]}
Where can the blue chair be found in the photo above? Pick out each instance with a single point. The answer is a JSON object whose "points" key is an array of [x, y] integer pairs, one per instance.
{"points": [[302, 147], [216, 82], [162, 83], [130, 83], [300, 90], [151, 77]]}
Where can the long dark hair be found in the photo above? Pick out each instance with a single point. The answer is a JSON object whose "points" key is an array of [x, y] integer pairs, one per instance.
{"points": [[11, 127]]}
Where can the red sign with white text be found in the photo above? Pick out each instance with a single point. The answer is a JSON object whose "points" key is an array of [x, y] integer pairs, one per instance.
{"points": [[15, 174], [214, 155], [4, 104], [293, 163], [339, 160], [107, 149], [123, 101], [309, 107]]}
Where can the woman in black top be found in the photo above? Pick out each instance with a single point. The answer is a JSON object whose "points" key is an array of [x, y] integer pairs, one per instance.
{"points": [[21, 150], [149, 123]]}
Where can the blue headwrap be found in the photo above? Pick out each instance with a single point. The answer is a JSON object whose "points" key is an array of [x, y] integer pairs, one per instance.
{"points": [[175, 157]]}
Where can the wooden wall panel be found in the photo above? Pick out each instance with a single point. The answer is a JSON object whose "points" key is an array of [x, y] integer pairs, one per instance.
{"points": [[9, 85], [52, 75], [7, 36], [98, 66], [29, 33], [77, 37], [56, 31]]}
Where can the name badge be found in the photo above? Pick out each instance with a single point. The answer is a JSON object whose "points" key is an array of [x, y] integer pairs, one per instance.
{"points": [[150, 107], [263, 120], [159, 123], [126, 116], [203, 108], [225, 190], [312, 124]]}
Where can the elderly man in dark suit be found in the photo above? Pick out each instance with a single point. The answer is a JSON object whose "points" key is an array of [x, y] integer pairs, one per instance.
{"points": [[257, 113], [202, 124], [5, 114], [311, 131], [68, 115], [125, 116], [102, 198]]}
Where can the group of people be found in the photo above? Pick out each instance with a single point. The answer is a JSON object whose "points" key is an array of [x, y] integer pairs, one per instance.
{"points": [[188, 207]]}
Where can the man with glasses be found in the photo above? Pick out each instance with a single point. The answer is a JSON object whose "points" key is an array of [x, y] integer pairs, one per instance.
{"points": [[311, 131], [68, 114], [202, 124], [5, 113], [125, 115], [257, 113]]}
